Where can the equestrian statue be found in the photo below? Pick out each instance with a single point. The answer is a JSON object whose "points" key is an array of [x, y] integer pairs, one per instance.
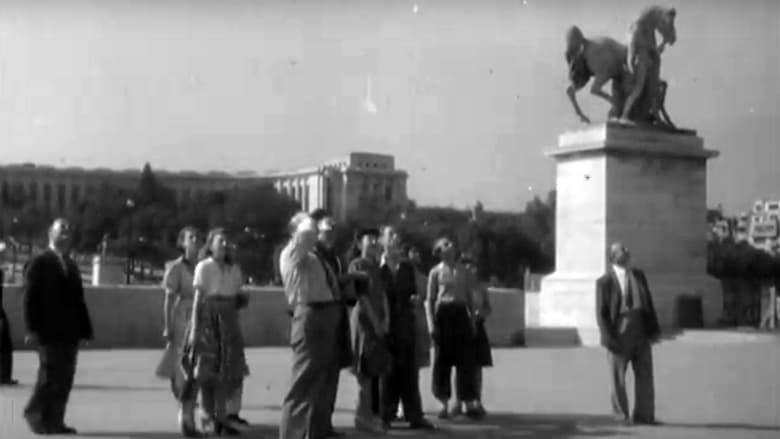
{"points": [[638, 93]]}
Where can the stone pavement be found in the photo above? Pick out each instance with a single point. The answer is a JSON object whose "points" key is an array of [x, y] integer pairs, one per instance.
{"points": [[726, 390]]}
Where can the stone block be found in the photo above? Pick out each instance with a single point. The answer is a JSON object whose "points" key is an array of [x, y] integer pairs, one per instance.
{"points": [[645, 188]]}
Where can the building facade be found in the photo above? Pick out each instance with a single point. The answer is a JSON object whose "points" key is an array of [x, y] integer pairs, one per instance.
{"points": [[343, 186], [760, 227]]}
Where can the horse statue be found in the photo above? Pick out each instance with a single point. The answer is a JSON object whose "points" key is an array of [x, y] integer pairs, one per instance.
{"points": [[638, 93]]}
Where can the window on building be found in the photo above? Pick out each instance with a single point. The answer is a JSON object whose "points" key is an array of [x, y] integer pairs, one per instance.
{"points": [[75, 194], [61, 196], [47, 194], [388, 193], [34, 191], [4, 193]]}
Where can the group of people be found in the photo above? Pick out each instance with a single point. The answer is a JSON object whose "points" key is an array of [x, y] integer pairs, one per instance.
{"points": [[366, 316], [375, 315]]}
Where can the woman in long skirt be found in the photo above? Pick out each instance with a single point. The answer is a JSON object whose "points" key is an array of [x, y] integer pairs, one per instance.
{"points": [[448, 310], [215, 344], [177, 313], [369, 324]]}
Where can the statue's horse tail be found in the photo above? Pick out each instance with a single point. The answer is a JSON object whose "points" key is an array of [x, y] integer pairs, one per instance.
{"points": [[575, 42]]}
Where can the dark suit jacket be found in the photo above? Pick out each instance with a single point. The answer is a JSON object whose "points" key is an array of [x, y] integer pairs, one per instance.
{"points": [[608, 298], [3, 316], [400, 287], [54, 306]]}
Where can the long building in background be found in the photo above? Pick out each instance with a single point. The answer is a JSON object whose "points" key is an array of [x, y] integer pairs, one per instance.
{"points": [[343, 186]]}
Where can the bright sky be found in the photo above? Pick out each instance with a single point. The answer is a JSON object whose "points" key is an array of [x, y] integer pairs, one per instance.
{"points": [[465, 94]]}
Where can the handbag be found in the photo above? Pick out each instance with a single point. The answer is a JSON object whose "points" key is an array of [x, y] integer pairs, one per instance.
{"points": [[377, 359]]}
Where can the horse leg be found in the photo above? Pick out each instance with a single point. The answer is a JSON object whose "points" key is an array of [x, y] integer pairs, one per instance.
{"points": [[662, 104], [571, 91], [596, 89], [639, 85]]}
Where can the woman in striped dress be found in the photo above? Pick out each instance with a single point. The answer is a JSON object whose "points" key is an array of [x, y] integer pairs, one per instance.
{"points": [[215, 343]]}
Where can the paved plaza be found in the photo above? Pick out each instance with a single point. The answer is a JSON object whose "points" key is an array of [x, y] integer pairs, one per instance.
{"points": [[708, 390]]}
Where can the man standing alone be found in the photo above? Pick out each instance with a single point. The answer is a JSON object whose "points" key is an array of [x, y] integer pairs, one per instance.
{"points": [[629, 326], [57, 318]]}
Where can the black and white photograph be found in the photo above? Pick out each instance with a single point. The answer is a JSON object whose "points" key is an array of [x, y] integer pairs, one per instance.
{"points": [[316, 219]]}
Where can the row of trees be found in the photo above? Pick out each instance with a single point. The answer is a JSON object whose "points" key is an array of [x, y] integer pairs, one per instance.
{"points": [[144, 222]]}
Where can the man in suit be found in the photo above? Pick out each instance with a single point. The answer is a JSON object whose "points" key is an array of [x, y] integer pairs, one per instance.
{"points": [[57, 319], [6, 345], [311, 288], [629, 326]]}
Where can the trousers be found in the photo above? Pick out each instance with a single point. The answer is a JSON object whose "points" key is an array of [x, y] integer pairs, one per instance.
{"points": [[6, 349], [454, 347], [307, 405], [56, 369], [402, 384]]}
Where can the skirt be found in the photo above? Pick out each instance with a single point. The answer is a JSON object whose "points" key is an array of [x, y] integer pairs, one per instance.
{"points": [[169, 366], [484, 356], [218, 352]]}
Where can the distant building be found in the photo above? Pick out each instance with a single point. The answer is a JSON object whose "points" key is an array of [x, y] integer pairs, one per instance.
{"points": [[760, 227], [342, 186]]}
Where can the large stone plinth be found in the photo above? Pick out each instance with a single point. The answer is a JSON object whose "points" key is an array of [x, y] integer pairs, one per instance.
{"points": [[645, 188]]}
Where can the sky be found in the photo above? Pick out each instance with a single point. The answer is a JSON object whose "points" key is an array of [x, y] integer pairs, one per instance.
{"points": [[465, 94]]}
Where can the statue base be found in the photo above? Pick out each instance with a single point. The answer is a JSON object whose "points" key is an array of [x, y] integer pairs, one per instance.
{"points": [[646, 188]]}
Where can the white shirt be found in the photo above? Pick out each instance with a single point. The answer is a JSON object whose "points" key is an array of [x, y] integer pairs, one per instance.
{"points": [[620, 273], [214, 280]]}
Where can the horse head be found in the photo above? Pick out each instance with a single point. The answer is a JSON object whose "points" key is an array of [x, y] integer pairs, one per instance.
{"points": [[664, 23]]}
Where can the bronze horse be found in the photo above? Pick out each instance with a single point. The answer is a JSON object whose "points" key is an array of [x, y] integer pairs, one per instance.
{"points": [[637, 91]]}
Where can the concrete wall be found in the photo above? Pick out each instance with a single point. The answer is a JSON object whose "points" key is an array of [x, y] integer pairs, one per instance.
{"points": [[131, 316]]}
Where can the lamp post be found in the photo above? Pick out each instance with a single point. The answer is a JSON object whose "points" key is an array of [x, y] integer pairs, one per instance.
{"points": [[130, 204]]}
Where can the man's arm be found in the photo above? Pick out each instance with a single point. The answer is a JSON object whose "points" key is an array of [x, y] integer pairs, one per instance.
{"points": [[32, 297], [430, 297], [603, 315], [85, 323], [653, 328]]}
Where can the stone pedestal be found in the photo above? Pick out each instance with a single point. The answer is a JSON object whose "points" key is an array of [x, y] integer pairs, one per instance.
{"points": [[645, 188]]}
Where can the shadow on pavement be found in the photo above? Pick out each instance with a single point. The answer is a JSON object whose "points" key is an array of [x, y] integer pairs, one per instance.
{"points": [[723, 426], [254, 431], [505, 425], [111, 387]]}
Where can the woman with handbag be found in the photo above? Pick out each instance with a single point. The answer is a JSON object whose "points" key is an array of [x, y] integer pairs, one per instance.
{"points": [[215, 344], [177, 312], [369, 322]]}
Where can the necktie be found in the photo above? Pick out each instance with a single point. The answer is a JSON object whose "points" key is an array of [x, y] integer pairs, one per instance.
{"points": [[629, 291]]}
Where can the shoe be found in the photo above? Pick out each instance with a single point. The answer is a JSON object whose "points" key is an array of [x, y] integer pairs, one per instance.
{"points": [[223, 429], [421, 424], [641, 421], [9, 383], [63, 430], [334, 433], [237, 419], [456, 411], [444, 414], [370, 425]]}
